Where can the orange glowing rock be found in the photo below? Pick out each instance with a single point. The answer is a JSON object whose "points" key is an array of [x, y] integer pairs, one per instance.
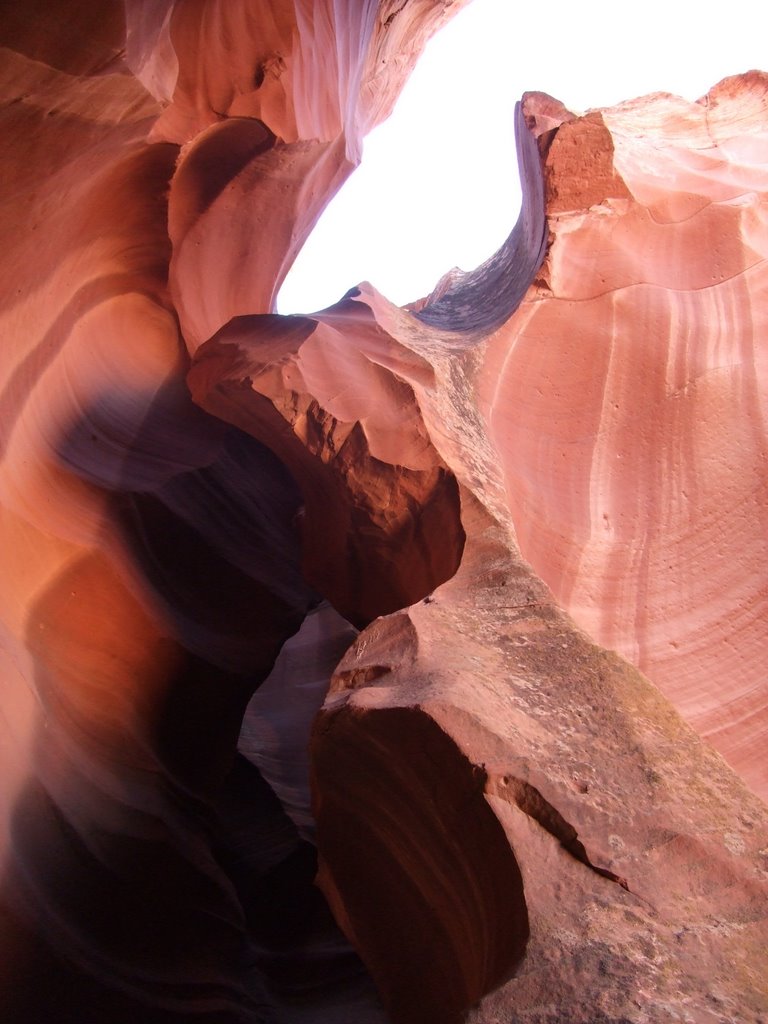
{"points": [[553, 458]]}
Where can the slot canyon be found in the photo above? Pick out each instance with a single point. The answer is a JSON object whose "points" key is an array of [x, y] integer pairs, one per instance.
{"points": [[376, 665]]}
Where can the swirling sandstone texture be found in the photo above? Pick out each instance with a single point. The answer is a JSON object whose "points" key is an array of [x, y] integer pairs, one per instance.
{"points": [[446, 539]]}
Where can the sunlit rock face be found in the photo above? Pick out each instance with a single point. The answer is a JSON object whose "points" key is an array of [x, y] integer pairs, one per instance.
{"points": [[297, 725], [629, 395]]}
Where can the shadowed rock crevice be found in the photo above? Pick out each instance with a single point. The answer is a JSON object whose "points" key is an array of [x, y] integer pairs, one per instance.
{"points": [[381, 523], [531, 802], [414, 863], [293, 941]]}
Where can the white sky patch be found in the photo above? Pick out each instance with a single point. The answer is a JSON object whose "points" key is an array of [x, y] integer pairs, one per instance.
{"points": [[438, 184]]}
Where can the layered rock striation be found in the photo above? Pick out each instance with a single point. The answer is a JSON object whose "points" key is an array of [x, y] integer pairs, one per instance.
{"points": [[629, 394], [323, 637]]}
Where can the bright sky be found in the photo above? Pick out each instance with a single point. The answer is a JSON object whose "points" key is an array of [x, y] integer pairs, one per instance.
{"points": [[438, 184]]}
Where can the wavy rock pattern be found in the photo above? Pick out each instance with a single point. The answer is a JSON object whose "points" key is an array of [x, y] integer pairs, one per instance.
{"points": [[507, 820], [629, 393]]}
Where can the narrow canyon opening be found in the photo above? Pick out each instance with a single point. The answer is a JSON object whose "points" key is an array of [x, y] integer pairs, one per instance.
{"points": [[293, 730]]}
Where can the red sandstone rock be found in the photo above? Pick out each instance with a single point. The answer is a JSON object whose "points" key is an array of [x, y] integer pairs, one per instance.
{"points": [[628, 397], [483, 695], [380, 527], [512, 822], [150, 569]]}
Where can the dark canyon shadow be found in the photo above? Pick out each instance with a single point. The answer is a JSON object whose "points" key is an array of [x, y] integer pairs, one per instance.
{"points": [[154, 875]]}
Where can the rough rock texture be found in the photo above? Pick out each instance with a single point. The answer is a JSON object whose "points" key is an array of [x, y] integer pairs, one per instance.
{"points": [[510, 822]]}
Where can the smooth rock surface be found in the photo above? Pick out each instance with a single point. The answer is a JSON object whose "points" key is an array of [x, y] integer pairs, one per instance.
{"points": [[151, 564], [629, 393], [450, 517]]}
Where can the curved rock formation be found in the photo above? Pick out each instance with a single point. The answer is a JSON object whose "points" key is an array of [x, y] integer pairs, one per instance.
{"points": [[151, 561], [629, 393], [510, 821], [380, 524]]}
